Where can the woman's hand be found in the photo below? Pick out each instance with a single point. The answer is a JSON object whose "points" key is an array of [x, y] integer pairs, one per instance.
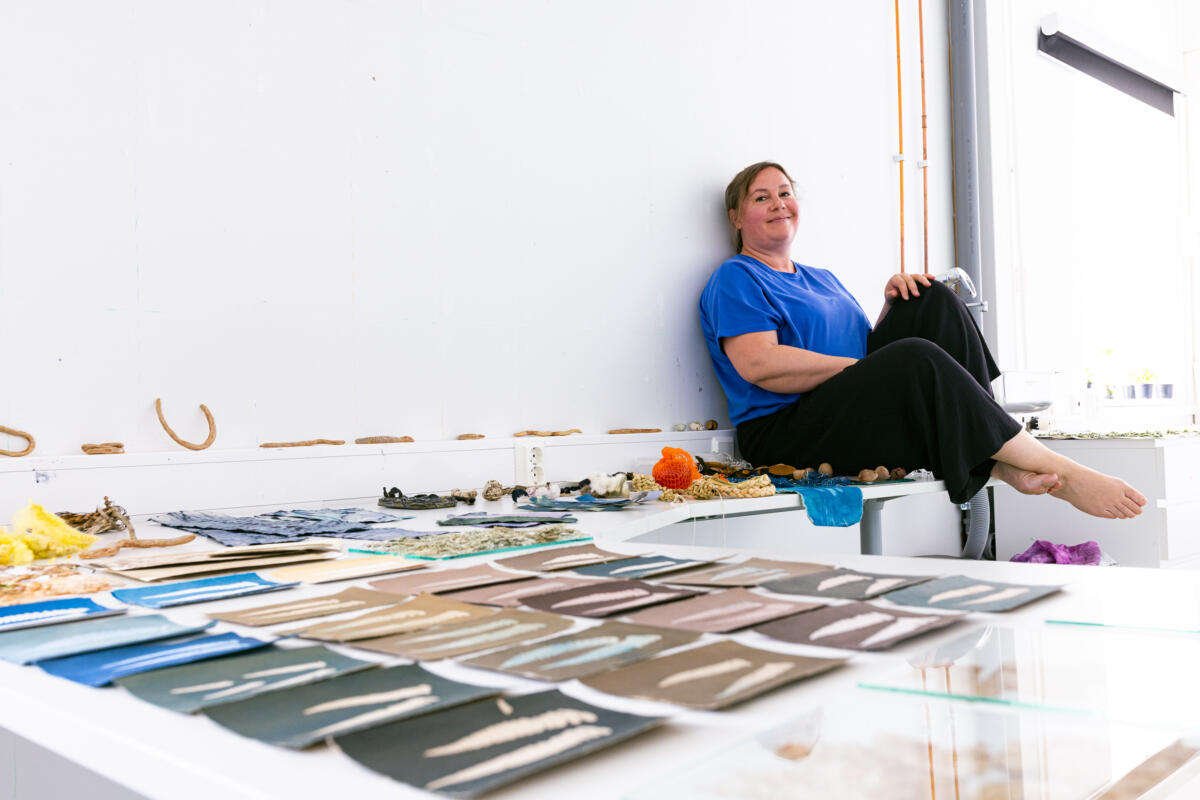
{"points": [[904, 285]]}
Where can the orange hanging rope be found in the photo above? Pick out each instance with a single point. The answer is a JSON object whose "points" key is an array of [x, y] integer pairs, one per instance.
{"points": [[924, 137], [900, 130]]}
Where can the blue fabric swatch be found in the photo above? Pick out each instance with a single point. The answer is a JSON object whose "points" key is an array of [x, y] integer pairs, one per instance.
{"points": [[45, 612], [586, 502], [832, 506], [73, 638], [337, 515], [199, 591], [105, 666]]}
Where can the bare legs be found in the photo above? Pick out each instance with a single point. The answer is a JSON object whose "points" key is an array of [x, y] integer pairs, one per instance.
{"points": [[1031, 468]]}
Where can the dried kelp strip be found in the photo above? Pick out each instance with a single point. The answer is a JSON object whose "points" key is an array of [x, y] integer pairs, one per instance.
{"points": [[305, 443], [18, 453], [102, 520], [444, 545], [464, 436], [107, 514], [382, 439], [394, 498], [636, 430], [212, 427], [548, 433], [104, 448]]}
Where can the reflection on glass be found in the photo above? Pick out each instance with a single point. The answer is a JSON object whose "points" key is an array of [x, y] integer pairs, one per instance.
{"points": [[875, 746], [1122, 675]]}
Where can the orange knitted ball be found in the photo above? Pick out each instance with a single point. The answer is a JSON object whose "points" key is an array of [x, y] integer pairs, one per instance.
{"points": [[676, 469]]}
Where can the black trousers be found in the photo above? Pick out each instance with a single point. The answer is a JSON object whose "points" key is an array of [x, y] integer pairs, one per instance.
{"points": [[921, 397]]}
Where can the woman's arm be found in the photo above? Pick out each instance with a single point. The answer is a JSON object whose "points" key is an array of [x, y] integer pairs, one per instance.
{"points": [[760, 358], [900, 286]]}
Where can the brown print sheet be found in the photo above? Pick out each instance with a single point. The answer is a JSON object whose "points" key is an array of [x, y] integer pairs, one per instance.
{"points": [[423, 611], [720, 612]]}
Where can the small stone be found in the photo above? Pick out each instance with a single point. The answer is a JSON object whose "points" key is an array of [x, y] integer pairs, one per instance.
{"points": [[680, 426], [712, 425], [868, 476], [696, 426], [826, 469], [882, 473]]}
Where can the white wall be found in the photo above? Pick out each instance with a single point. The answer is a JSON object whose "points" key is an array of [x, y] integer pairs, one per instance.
{"points": [[339, 219]]}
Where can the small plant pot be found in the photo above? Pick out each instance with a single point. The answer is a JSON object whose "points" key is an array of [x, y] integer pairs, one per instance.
{"points": [[1130, 392], [1146, 390], [1166, 390]]}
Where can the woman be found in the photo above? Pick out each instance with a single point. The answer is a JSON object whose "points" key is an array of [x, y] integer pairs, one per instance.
{"points": [[808, 379]]}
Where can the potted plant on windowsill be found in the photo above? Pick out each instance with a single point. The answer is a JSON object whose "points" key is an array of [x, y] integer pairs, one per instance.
{"points": [[1144, 381]]}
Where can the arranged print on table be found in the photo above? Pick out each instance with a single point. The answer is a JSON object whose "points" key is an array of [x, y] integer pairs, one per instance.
{"points": [[199, 591], [147, 560], [970, 594], [466, 751], [219, 565], [561, 558], [191, 687], [423, 611], [85, 636], [587, 652], [606, 600], [719, 612], [49, 612], [709, 677], [105, 666], [641, 567], [352, 599], [507, 627], [514, 594], [846, 584], [750, 572], [308, 714], [345, 569], [855, 626], [447, 580]]}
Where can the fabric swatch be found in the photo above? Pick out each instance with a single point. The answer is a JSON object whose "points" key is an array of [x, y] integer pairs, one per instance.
{"points": [[473, 749], [72, 638], [423, 611], [204, 521], [484, 519], [854, 626], [513, 594], [709, 677], [751, 572], [191, 687], [49, 612], [586, 502], [218, 565], [720, 612], [105, 666], [447, 580], [641, 567], [586, 652], [145, 560], [304, 715], [344, 569], [336, 515], [846, 584], [241, 538], [970, 594], [199, 591], [352, 599], [606, 600], [560, 558], [502, 629]]}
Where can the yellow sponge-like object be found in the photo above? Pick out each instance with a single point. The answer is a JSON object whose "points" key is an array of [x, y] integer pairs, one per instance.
{"points": [[38, 533]]}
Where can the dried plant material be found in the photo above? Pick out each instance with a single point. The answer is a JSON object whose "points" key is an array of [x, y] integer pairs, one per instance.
{"points": [[305, 443], [18, 453], [106, 516], [382, 439], [706, 488], [636, 430], [38, 533], [467, 496], [102, 520], [548, 433], [464, 436], [449, 545], [26, 584], [492, 490], [781, 470], [212, 427], [104, 448]]}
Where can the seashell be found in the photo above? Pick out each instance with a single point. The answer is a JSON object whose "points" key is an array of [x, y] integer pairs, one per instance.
{"points": [[680, 426], [696, 426], [882, 473], [868, 476], [826, 469], [712, 425]]}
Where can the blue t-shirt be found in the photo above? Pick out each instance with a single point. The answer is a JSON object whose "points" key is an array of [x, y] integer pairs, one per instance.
{"points": [[809, 309]]}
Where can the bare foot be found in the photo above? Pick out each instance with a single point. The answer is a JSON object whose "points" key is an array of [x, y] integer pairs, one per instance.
{"points": [[1100, 495], [1024, 481]]}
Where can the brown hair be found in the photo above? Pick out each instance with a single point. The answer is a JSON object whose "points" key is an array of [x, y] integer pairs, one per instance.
{"points": [[736, 192]]}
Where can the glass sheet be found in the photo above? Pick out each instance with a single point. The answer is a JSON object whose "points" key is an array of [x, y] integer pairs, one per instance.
{"points": [[382, 549], [1120, 675], [861, 744], [1162, 606]]}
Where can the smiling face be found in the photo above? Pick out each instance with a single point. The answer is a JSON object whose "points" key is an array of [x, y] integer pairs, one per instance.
{"points": [[767, 216]]}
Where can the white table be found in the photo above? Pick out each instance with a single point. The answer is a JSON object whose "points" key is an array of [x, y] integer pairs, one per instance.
{"points": [[158, 753]]}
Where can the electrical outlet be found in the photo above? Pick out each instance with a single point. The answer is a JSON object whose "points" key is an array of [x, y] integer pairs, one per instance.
{"points": [[527, 465]]}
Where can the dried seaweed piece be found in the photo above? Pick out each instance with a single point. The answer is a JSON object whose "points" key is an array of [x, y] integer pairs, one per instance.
{"points": [[382, 439], [212, 427], [636, 430], [467, 497], [463, 436], [102, 520], [23, 435], [548, 433], [111, 511], [394, 498], [305, 443], [104, 448]]}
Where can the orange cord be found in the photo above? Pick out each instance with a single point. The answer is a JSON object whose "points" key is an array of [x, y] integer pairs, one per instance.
{"points": [[924, 136], [900, 124]]}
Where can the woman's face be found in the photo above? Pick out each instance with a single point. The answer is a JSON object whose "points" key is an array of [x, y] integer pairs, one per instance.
{"points": [[769, 214]]}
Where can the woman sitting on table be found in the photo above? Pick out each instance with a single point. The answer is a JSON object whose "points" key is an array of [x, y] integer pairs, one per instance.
{"points": [[808, 379]]}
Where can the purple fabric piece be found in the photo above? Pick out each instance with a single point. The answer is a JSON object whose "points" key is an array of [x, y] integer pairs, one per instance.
{"points": [[1043, 552]]}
